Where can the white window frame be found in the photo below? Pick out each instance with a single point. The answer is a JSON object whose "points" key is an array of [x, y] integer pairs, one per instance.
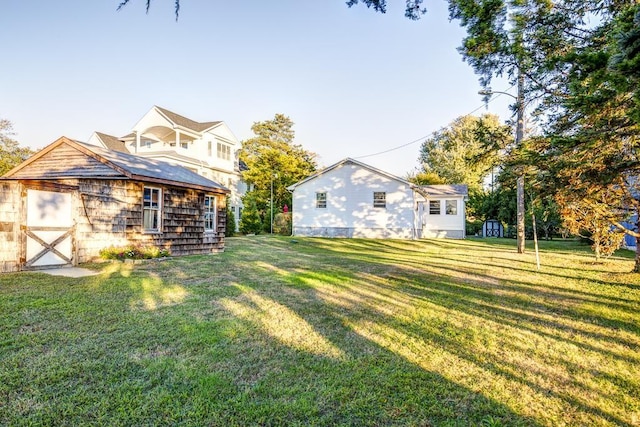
{"points": [[451, 210], [432, 205], [223, 151], [148, 208], [380, 199], [209, 148], [321, 200], [210, 214]]}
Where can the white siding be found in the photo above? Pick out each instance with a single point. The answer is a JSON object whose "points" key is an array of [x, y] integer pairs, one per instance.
{"points": [[350, 211], [443, 225]]}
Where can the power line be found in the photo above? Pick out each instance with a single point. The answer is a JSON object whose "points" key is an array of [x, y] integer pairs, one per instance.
{"points": [[498, 95]]}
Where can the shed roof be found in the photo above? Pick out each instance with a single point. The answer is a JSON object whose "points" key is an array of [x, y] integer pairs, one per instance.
{"points": [[113, 164]]}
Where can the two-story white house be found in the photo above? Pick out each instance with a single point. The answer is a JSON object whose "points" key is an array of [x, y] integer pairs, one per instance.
{"points": [[353, 199], [207, 148]]}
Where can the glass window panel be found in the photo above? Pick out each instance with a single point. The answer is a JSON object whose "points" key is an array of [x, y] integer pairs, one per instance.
{"points": [[451, 207], [434, 207]]}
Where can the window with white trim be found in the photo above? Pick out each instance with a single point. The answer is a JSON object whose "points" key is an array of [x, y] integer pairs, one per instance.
{"points": [[151, 209], [209, 149], [451, 207], [379, 199], [434, 207], [210, 213], [321, 200], [224, 151]]}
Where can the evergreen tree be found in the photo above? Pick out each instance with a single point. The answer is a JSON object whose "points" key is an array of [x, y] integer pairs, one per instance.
{"points": [[231, 221], [275, 162], [250, 222]]}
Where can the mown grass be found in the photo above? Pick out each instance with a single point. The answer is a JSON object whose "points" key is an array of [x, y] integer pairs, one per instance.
{"points": [[277, 331]]}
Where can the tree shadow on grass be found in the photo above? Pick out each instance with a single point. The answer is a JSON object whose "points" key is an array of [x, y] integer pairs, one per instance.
{"points": [[293, 334], [546, 319]]}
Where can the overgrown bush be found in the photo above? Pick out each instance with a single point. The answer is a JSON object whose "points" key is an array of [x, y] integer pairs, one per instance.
{"points": [[282, 224], [134, 252]]}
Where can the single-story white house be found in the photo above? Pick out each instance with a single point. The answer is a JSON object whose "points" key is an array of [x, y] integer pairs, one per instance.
{"points": [[353, 199]]}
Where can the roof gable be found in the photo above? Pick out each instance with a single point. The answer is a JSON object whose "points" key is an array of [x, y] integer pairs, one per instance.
{"points": [[93, 161], [112, 142], [344, 162], [184, 122]]}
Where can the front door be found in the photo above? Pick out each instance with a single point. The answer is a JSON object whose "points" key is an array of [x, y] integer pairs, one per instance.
{"points": [[48, 231]]}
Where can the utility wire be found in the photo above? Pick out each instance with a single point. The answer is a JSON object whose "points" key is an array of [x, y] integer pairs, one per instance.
{"points": [[498, 95]]}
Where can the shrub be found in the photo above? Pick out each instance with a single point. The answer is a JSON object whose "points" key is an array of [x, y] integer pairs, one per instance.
{"points": [[134, 252], [282, 224], [474, 227], [250, 222], [231, 221]]}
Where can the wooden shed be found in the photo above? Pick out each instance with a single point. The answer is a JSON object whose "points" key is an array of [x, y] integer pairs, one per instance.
{"points": [[71, 199], [492, 228]]}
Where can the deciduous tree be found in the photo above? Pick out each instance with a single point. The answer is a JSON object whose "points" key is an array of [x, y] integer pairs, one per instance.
{"points": [[11, 153], [466, 151], [273, 159]]}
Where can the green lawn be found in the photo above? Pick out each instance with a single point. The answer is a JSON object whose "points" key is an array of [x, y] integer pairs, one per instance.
{"points": [[277, 331]]}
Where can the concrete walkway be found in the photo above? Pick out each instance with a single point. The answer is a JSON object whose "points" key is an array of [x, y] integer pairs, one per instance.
{"points": [[69, 272]]}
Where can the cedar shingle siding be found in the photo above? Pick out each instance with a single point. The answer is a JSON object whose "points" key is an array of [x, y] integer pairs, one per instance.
{"points": [[107, 205]]}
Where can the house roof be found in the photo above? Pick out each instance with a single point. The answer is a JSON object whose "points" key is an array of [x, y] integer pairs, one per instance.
{"points": [[347, 161], [443, 190], [116, 164], [184, 122], [112, 142], [425, 190]]}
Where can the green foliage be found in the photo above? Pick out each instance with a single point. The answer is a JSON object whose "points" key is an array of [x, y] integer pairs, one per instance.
{"points": [[413, 9], [282, 223], [591, 154], [250, 222], [547, 215], [425, 178], [11, 154], [134, 252], [231, 221], [274, 161], [473, 227], [582, 218], [465, 151]]}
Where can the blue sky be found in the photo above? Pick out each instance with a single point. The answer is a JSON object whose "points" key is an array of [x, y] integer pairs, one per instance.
{"points": [[353, 81]]}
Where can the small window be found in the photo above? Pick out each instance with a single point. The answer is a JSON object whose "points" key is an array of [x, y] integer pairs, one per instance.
{"points": [[434, 207], [224, 151], [451, 207], [209, 213], [151, 209], [184, 145], [209, 149], [321, 200], [379, 199]]}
